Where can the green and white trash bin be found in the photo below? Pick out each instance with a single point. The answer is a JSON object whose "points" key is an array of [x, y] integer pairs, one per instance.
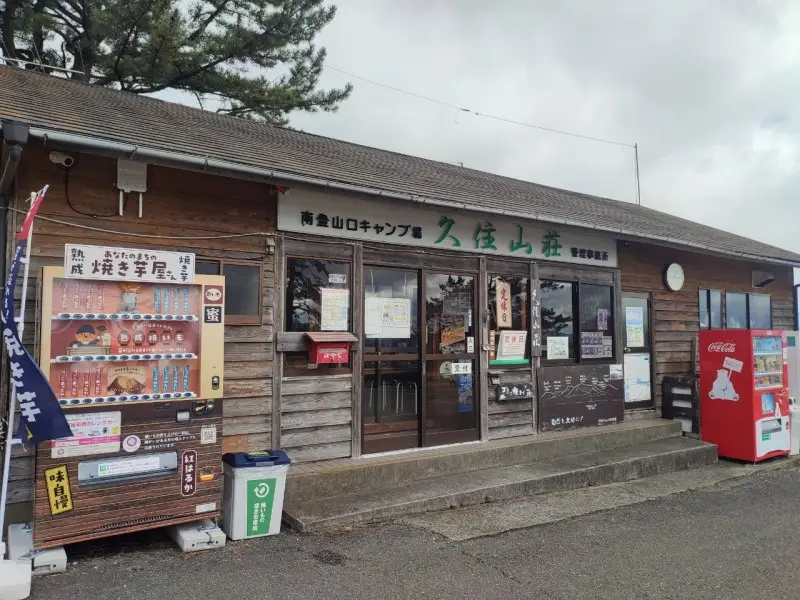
{"points": [[254, 487]]}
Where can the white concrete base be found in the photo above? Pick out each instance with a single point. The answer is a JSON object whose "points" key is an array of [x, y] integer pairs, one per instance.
{"points": [[15, 579], [43, 562], [201, 535]]}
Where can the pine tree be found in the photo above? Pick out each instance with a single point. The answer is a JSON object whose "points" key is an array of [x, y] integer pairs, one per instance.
{"points": [[256, 58]]}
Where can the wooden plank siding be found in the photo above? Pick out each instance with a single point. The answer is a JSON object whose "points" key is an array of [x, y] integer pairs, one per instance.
{"points": [[514, 417], [316, 417], [177, 203], [676, 318]]}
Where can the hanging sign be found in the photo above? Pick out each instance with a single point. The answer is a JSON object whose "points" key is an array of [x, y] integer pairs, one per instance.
{"points": [[536, 321], [503, 304], [127, 264]]}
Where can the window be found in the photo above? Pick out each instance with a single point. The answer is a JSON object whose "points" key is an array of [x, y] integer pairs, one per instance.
{"points": [[508, 310], [391, 307], [715, 308], [558, 316], [760, 311], [710, 304], [577, 321], [317, 299], [748, 311], [243, 288], [736, 310], [597, 322]]}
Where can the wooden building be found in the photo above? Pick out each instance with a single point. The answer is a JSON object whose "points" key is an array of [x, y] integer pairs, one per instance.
{"points": [[475, 306]]}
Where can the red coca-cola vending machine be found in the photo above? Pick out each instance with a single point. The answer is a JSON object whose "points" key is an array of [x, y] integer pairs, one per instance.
{"points": [[744, 401]]}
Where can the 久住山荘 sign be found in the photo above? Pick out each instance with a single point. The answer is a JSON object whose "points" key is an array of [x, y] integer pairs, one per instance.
{"points": [[319, 213]]}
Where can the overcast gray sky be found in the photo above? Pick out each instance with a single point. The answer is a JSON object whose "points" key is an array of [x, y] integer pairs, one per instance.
{"points": [[707, 88]]}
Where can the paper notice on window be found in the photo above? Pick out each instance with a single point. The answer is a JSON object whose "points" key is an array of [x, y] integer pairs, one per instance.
{"points": [[387, 318], [637, 377], [373, 316], [634, 326], [602, 319], [557, 347], [334, 310], [397, 315], [596, 345]]}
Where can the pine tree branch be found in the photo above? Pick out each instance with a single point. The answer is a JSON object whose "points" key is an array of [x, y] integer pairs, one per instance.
{"points": [[126, 41], [207, 21]]}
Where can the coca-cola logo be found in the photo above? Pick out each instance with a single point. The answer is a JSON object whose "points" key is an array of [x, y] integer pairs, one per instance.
{"points": [[722, 347]]}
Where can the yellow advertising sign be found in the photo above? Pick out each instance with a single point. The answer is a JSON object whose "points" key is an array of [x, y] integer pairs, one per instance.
{"points": [[453, 335], [58, 491]]}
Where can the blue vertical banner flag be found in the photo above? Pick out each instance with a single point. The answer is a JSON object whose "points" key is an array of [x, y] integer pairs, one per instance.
{"points": [[41, 417]]}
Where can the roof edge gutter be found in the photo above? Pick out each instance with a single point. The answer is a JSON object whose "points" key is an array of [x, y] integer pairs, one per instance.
{"points": [[204, 163]]}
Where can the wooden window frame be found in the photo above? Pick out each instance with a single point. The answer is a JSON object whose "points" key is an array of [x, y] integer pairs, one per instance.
{"points": [[255, 319], [747, 296], [707, 293], [769, 298], [349, 262], [576, 343]]}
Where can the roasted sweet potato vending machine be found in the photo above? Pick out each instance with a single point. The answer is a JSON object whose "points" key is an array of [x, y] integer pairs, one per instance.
{"points": [[131, 342]]}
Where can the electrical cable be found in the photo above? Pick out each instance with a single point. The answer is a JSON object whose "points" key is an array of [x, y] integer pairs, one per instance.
{"points": [[66, 170], [476, 113], [147, 235]]}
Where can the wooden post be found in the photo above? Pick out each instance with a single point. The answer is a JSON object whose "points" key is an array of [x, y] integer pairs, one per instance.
{"points": [[534, 294], [358, 355], [280, 323], [619, 319], [483, 311]]}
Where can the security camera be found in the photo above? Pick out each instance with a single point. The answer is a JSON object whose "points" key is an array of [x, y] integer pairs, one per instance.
{"points": [[64, 160]]}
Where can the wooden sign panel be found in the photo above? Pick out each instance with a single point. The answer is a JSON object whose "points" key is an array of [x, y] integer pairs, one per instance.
{"points": [[580, 396], [129, 468], [514, 391]]}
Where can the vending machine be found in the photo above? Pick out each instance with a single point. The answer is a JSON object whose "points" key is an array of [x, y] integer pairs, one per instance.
{"points": [[131, 342], [744, 404]]}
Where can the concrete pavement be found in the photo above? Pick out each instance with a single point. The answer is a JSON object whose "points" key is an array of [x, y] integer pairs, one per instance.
{"points": [[737, 540]]}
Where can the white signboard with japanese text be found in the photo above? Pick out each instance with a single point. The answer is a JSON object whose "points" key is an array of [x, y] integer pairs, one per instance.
{"points": [[381, 221], [127, 264], [512, 345]]}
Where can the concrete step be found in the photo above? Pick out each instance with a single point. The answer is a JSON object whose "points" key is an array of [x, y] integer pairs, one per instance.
{"points": [[312, 482], [500, 483]]}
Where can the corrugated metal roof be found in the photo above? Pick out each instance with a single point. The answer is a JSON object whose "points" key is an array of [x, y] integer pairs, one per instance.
{"points": [[71, 107]]}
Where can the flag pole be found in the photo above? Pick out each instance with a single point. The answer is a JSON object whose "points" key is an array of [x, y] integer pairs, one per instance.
{"points": [[12, 403]]}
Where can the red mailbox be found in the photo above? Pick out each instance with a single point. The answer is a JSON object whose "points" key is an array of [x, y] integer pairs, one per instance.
{"points": [[329, 347]]}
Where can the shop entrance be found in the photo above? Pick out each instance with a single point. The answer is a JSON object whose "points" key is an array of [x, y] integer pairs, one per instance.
{"points": [[420, 359]]}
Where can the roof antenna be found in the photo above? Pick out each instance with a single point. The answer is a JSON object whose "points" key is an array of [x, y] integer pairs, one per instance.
{"points": [[638, 188]]}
